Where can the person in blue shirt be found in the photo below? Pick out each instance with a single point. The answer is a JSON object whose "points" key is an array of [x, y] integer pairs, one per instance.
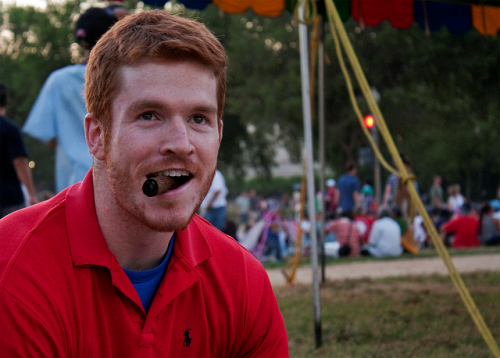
{"points": [[59, 111], [349, 186]]}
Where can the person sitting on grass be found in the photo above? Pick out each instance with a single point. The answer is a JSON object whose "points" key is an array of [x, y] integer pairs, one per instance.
{"points": [[465, 228], [346, 233], [385, 237], [489, 228]]}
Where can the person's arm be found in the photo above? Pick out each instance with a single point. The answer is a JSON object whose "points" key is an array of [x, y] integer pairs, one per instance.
{"points": [[496, 222], [52, 143], [23, 172], [216, 194], [355, 196], [387, 193]]}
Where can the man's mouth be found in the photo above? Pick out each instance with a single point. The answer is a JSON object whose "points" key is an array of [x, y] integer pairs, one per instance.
{"points": [[177, 178]]}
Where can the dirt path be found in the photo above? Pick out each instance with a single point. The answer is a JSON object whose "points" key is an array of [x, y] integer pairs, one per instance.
{"points": [[403, 267]]}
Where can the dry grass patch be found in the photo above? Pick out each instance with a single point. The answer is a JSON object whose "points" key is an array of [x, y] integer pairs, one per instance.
{"points": [[396, 317]]}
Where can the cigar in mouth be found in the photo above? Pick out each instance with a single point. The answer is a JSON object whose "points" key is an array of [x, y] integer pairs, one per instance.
{"points": [[157, 185]]}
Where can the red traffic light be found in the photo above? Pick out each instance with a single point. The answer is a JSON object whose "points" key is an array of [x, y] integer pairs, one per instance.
{"points": [[369, 121]]}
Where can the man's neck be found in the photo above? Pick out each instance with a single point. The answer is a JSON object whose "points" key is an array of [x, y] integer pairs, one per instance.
{"points": [[3, 110]]}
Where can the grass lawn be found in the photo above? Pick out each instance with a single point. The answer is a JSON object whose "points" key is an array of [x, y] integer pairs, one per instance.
{"points": [[392, 317]]}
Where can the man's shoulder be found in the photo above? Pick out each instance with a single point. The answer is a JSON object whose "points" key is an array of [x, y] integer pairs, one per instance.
{"points": [[8, 125], [68, 71], [61, 76], [20, 232], [225, 251]]}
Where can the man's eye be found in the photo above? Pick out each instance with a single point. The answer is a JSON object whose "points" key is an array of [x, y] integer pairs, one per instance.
{"points": [[147, 116], [199, 119]]}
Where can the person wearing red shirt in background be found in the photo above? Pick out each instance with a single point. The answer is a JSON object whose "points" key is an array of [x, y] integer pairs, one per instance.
{"points": [[110, 267], [464, 227], [364, 223]]}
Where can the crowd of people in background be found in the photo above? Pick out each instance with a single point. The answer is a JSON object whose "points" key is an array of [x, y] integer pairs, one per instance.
{"points": [[357, 225]]}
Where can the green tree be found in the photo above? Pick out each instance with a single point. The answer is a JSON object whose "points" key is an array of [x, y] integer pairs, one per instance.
{"points": [[33, 44]]}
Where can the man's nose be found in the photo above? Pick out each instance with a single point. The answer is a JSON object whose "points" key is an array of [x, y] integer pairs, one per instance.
{"points": [[176, 138]]}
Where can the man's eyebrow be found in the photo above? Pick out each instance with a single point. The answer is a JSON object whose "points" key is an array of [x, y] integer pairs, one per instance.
{"points": [[151, 104], [205, 109], [147, 104]]}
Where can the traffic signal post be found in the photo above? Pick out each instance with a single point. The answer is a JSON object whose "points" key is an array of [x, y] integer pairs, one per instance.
{"points": [[371, 125]]}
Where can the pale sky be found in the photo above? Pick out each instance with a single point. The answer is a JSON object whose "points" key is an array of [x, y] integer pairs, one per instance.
{"points": [[35, 3]]}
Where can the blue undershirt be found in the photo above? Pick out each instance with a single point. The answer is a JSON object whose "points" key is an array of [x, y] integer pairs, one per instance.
{"points": [[147, 282]]}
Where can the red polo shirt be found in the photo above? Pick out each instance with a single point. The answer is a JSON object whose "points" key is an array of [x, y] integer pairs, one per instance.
{"points": [[63, 293]]}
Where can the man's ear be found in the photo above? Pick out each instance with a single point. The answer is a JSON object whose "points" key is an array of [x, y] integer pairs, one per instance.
{"points": [[94, 136], [221, 125]]}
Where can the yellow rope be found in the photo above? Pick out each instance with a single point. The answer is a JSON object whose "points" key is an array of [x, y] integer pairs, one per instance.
{"points": [[295, 260], [338, 31]]}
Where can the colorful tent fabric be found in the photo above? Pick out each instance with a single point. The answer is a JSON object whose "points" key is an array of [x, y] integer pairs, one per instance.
{"points": [[371, 13], [430, 15], [486, 19]]}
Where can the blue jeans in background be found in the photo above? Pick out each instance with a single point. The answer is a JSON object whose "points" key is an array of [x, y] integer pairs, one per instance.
{"points": [[216, 217]]}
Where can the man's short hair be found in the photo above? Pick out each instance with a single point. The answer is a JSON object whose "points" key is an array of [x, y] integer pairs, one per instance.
{"points": [[4, 95], [155, 36]]}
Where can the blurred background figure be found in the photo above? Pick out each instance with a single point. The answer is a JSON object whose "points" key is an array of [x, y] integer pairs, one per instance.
{"points": [[254, 205], [331, 197], [396, 192], [364, 222], [436, 194], [346, 233], [58, 114], [242, 203], [14, 168], [349, 187], [495, 204], [213, 207], [367, 201], [461, 231], [455, 199], [489, 226], [385, 237]]}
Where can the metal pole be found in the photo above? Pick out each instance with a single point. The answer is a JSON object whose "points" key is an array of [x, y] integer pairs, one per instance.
{"points": [[321, 118], [376, 163], [306, 108], [376, 168]]}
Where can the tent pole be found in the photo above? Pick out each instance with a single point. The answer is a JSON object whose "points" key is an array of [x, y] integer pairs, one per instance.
{"points": [[306, 108], [321, 118]]}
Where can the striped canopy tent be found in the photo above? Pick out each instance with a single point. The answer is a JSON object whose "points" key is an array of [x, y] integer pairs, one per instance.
{"points": [[459, 16]]}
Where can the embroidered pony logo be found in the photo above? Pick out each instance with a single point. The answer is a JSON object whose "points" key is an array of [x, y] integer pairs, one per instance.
{"points": [[187, 339]]}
